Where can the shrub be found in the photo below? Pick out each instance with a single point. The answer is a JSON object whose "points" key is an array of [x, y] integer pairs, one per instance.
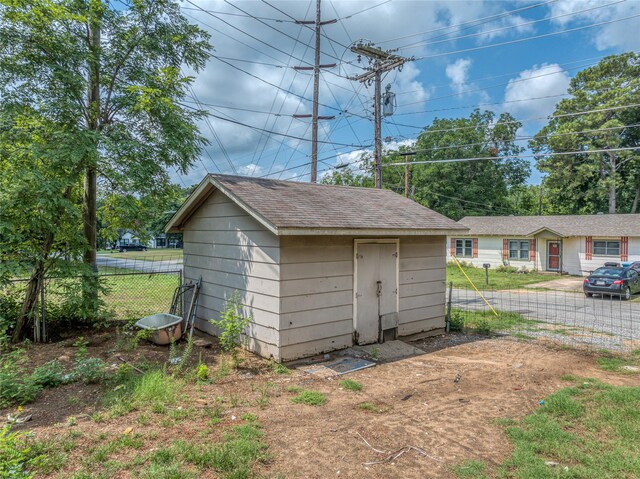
{"points": [[483, 326], [16, 458], [50, 375], [202, 374], [16, 386], [457, 321], [232, 324], [90, 370]]}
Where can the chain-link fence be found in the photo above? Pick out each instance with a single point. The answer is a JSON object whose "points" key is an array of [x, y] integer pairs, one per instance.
{"points": [[125, 293], [570, 318]]}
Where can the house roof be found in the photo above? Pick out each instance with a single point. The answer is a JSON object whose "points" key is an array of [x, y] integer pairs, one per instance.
{"points": [[562, 225], [291, 207]]}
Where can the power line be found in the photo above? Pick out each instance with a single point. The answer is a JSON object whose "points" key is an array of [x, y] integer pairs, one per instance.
{"points": [[532, 22], [272, 27], [469, 22], [517, 157], [520, 40], [276, 133], [526, 120], [231, 14], [474, 144]]}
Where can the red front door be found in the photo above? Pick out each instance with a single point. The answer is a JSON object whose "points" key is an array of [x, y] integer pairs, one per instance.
{"points": [[553, 256]]}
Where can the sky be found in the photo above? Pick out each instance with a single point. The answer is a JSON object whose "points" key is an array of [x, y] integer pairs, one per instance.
{"points": [[503, 56]]}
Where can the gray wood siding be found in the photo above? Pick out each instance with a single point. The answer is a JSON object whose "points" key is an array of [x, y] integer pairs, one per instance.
{"points": [[232, 251], [316, 295], [422, 284]]}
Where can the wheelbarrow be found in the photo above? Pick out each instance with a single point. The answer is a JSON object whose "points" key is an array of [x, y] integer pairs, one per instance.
{"points": [[169, 327]]}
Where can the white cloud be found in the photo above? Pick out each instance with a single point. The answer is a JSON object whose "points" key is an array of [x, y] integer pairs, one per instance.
{"points": [[458, 73], [622, 35], [539, 81], [252, 169], [509, 26]]}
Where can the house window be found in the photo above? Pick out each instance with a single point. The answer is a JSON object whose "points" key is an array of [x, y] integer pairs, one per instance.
{"points": [[464, 248], [519, 250], [606, 248]]}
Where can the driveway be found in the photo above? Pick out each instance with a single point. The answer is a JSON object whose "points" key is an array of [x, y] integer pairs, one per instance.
{"points": [[565, 283], [105, 261], [600, 321]]}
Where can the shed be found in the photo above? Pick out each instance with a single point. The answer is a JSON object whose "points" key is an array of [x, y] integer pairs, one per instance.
{"points": [[318, 267]]}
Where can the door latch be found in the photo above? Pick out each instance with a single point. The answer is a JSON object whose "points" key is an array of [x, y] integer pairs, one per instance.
{"points": [[379, 288]]}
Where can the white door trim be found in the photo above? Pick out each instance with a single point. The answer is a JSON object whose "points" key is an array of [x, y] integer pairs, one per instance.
{"points": [[356, 242]]}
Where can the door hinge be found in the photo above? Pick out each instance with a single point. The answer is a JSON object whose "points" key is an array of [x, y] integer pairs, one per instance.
{"points": [[359, 256], [358, 295], [395, 255]]}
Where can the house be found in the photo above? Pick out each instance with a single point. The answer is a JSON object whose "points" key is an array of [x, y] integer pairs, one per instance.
{"points": [[573, 244], [317, 267]]}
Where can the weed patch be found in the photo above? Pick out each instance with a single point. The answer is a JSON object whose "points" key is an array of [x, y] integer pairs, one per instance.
{"points": [[310, 398], [351, 385], [586, 430]]}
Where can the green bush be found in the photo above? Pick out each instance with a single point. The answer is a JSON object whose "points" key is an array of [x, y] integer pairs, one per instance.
{"points": [[50, 375], [16, 457], [16, 386], [232, 324], [457, 321], [505, 268], [90, 370]]}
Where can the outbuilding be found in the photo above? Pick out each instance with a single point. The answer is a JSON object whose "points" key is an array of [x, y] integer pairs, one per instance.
{"points": [[317, 267]]}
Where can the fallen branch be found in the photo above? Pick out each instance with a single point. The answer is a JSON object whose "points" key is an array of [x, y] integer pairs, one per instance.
{"points": [[392, 456], [132, 366]]}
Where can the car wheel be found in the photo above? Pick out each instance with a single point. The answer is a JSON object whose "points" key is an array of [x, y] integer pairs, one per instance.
{"points": [[626, 294], [588, 295]]}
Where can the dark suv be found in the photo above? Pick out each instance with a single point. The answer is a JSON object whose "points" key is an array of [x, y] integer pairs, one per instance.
{"points": [[131, 247]]}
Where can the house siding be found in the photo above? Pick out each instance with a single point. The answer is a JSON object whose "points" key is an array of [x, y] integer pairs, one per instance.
{"points": [[574, 253], [316, 295], [231, 251], [422, 284]]}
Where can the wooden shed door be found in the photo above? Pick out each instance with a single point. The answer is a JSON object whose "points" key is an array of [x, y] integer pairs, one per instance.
{"points": [[376, 286]]}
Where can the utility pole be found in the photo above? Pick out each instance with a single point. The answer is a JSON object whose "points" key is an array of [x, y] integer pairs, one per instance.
{"points": [[316, 89], [407, 155], [380, 61]]}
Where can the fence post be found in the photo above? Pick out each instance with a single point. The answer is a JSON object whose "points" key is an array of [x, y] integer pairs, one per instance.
{"points": [[181, 297], [448, 319], [43, 312]]}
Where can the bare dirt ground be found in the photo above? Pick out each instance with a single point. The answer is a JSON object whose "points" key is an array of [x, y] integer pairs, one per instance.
{"points": [[445, 402]]}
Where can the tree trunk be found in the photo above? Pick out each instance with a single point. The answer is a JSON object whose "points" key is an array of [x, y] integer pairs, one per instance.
{"points": [[612, 198], [37, 278], [90, 291], [31, 294], [636, 200]]}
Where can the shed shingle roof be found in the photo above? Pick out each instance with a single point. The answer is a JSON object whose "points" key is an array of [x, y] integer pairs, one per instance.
{"points": [[291, 205], [564, 225]]}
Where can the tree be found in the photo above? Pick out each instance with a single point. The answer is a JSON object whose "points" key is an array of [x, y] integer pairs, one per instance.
{"points": [[113, 75], [144, 216], [40, 190], [591, 181], [474, 187], [351, 175]]}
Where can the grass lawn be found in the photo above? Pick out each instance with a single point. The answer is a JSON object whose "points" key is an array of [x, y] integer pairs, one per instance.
{"points": [[485, 322], [135, 296], [588, 430], [126, 296], [497, 279], [152, 254]]}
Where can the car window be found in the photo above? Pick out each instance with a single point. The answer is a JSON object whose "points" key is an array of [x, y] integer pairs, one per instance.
{"points": [[632, 273], [612, 272]]}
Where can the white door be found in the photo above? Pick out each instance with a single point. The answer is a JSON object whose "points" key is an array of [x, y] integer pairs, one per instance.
{"points": [[376, 288]]}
